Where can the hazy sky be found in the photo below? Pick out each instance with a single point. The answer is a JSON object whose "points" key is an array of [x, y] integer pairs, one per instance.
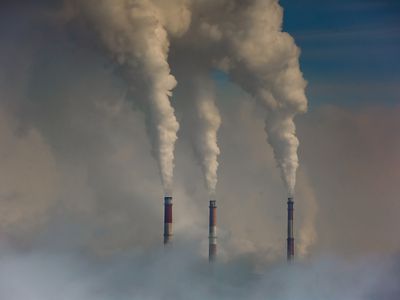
{"points": [[349, 141], [80, 189]]}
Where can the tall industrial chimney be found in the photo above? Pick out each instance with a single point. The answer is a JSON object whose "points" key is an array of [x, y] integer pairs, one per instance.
{"points": [[167, 219], [290, 238], [212, 236]]}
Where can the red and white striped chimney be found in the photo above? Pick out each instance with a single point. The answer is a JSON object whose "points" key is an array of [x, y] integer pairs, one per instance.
{"points": [[167, 219], [212, 236]]}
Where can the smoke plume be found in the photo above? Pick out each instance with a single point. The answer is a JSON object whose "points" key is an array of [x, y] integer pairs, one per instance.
{"points": [[208, 121], [135, 34], [244, 39], [76, 171], [264, 61]]}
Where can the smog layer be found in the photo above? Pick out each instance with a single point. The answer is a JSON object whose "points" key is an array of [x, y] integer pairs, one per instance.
{"points": [[107, 106]]}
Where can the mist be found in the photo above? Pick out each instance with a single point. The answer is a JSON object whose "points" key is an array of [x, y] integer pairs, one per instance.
{"points": [[178, 274]]}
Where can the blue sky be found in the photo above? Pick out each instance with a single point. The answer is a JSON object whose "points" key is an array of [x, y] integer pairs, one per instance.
{"points": [[350, 49]]}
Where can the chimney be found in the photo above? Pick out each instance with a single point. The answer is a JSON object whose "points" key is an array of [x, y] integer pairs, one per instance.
{"points": [[212, 237], [167, 219], [290, 238]]}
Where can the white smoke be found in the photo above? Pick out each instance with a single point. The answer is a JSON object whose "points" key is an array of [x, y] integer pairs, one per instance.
{"points": [[208, 121], [87, 148], [264, 61], [245, 39], [135, 34]]}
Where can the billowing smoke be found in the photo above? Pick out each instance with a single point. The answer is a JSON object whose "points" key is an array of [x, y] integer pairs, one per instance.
{"points": [[265, 62], [135, 34], [244, 39], [76, 175]]}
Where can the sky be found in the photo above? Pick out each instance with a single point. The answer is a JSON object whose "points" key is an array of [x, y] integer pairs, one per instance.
{"points": [[81, 196], [353, 44]]}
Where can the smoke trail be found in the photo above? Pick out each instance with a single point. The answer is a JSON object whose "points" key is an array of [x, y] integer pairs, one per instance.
{"points": [[208, 121], [135, 34], [264, 61]]}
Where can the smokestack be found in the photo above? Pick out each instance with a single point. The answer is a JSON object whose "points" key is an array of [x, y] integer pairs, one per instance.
{"points": [[167, 219], [212, 237], [290, 238]]}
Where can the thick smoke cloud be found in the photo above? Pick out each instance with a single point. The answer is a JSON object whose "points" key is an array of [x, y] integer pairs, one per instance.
{"points": [[135, 35], [254, 51], [90, 148], [265, 62], [80, 199]]}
